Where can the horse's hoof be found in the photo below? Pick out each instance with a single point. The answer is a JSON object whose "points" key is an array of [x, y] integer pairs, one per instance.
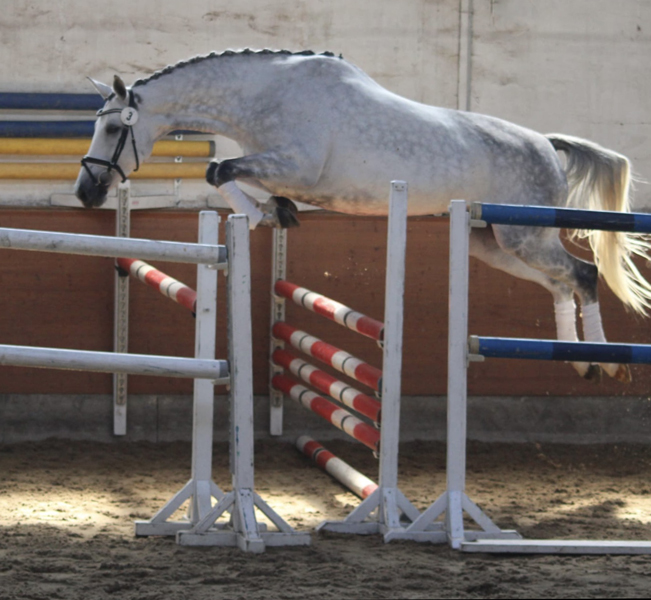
{"points": [[211, 171], [286, 218], [623, 374], [593, 374], [283, 202], [285, 212]]}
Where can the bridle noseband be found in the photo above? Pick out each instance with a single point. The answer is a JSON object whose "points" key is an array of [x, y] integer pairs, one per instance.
{"points": [[129, 117]]}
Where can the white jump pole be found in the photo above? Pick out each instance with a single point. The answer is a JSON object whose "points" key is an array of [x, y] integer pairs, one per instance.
{"points": [[99, 245], [109, 362]]}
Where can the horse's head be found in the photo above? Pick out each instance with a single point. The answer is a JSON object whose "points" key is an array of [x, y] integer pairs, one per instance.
{"points": [[123, 138]]}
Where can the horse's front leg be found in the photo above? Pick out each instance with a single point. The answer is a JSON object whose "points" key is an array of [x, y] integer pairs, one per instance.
{"points": [[279, 211]]}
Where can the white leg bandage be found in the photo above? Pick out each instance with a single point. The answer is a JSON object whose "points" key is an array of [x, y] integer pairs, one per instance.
{"points": [[593, 330], [566, 329], [565, 313], [241, 203]]}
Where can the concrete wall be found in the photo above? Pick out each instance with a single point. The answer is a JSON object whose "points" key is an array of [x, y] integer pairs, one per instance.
{"points": [[578, 67]]}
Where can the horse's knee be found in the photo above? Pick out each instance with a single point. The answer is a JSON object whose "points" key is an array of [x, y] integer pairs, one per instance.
{"points": [[219, 173], [210, 172]]}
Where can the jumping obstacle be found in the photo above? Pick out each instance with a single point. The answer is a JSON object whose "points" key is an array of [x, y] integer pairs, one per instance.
{"points": [[357, 483], [385, 509], [200, 527], [462, 351]]}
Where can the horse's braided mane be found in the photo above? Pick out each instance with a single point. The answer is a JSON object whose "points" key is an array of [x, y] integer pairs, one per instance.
{"points": [[215, 55]]}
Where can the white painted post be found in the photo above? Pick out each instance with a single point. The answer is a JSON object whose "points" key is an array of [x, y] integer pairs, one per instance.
{"points": [[241, 362], [121, 313], [392, 353], [204, 347], [457, 366], [278, 271]]}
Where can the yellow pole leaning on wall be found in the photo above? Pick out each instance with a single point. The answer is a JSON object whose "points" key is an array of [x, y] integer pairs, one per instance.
{"points": [[69, 171], [79, 147]]}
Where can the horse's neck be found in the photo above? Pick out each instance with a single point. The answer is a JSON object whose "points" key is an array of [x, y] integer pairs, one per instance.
{"points": [[206, 96]]}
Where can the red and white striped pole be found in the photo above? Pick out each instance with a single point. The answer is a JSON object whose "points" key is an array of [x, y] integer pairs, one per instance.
{"points": [[166, 285], [330, 355], [356, 482], [330, 309], [326, 383], [339, 417]]}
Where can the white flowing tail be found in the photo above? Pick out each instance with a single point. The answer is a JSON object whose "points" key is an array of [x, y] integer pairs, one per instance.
{"points": [[599, 179]]}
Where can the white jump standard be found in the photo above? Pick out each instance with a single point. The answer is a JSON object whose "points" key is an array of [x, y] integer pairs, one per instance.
{"points": [[463, 351], [242, 501], [385, 509]]}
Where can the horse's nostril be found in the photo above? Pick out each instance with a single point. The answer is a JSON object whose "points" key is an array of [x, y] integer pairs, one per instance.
{"points": [[91, 195], [81, 195], [104, 178]]}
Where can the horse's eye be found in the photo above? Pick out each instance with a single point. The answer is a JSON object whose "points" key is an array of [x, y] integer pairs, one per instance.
{"points": [[111, 129]]}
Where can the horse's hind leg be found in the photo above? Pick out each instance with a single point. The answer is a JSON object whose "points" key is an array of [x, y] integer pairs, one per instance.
{"points": [[484, 246], [542, 249]]}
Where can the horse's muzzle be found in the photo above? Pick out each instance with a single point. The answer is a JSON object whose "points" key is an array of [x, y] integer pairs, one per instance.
{"points": [[90, 193]]}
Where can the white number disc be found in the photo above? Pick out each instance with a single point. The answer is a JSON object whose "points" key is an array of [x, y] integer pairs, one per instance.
{"points": [[129, 116]]}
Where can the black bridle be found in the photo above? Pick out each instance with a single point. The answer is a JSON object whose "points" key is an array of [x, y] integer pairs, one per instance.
{"points": [[128, 116]]}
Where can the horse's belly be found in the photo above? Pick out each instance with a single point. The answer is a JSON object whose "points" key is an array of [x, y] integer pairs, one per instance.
{"points": [[362, 189], [372, 199]]}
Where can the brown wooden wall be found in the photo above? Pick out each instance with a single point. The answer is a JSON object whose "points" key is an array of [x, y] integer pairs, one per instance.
{"points": [[66, 301]]}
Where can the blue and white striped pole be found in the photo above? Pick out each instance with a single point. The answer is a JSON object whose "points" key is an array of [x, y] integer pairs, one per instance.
{"points": [[544, 216], [493, 347]]}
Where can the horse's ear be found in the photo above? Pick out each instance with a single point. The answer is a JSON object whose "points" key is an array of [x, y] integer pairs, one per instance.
{"points": [[102, 89], [119, 88]]}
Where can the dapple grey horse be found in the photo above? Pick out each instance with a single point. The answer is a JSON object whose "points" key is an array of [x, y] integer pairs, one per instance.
{"points": [[317, 129]]}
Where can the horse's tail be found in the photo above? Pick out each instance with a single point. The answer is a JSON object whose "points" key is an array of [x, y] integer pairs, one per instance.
{"points": [[600, 179]]}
